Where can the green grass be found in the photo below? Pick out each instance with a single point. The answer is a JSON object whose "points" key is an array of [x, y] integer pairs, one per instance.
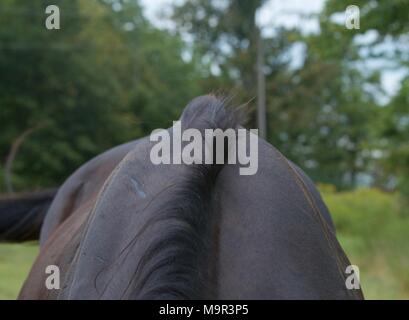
{"points": [[374, 232], [15, 263], [371, 228]]}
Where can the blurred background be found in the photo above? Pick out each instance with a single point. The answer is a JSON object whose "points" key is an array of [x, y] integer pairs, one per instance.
{"points": [[336, 101]]}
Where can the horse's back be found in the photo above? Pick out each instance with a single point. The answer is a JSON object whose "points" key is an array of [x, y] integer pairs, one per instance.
{"points": [[275, 240], [84, 184]]}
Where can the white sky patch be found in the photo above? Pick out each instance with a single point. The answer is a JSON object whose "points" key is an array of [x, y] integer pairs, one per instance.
{"points": [[391, 73], [289, 14], [154, 10], [274, 13], [391, 80], [297, 52]]}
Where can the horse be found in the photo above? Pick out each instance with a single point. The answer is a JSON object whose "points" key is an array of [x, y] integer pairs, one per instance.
{"points": [[121, 227], [22, 215]]}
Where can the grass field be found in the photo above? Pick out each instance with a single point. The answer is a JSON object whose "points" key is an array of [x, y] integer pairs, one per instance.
{"points": [[372, 229], [15, 263], [374, 232]]}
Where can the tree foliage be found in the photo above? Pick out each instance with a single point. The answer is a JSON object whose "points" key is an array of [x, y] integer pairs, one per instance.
{"points": [[106, 77], [109, 76]]}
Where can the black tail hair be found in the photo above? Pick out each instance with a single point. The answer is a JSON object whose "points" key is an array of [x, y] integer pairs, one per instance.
{"points": [[22, 215], [174, 266]]}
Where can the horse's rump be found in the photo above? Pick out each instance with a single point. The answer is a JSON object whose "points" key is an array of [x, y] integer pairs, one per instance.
{"points": [[197, 231]]}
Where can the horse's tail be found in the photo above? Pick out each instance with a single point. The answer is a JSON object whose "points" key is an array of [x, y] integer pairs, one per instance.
{"points": [[176, 265], [22, 215]]}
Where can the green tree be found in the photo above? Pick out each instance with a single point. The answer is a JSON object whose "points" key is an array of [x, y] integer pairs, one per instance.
{"points": [[106, 77], [318, 114], [388, 24]]}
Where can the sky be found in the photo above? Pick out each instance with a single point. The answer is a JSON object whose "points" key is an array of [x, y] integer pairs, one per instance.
{"points": [[277, 13], [273, 13]]}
